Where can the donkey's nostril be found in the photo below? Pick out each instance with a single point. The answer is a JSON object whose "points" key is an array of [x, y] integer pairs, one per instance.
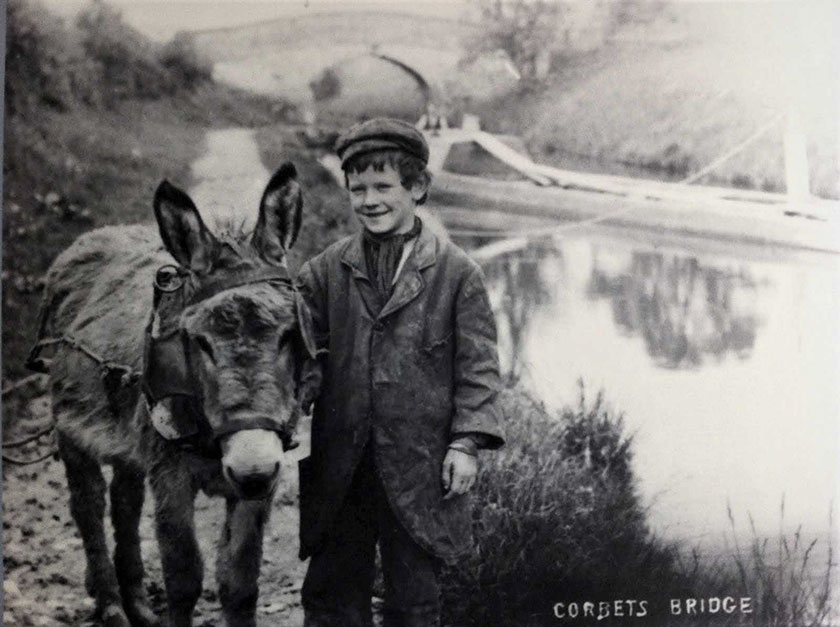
{"points": [[254, 485], [255, 488]]}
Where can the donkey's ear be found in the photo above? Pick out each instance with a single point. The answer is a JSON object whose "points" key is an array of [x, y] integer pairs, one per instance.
{"points": [[182, 230], [280, 215]]}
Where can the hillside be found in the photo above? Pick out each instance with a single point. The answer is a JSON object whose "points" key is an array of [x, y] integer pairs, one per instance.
{"points": [[663, 102]]}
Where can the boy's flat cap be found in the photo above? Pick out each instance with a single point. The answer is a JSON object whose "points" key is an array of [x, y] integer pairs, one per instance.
{"points": [[381, 134]]}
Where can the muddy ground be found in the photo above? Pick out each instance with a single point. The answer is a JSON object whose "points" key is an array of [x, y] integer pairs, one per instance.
{"points": [[45, 564]]}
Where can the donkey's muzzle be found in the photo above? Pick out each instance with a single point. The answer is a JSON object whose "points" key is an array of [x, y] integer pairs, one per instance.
{"points": [[251, 461], [254, 485]]}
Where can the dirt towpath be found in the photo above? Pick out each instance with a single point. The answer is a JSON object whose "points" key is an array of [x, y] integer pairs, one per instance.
{"points": [[230, 177], [43, 557]]}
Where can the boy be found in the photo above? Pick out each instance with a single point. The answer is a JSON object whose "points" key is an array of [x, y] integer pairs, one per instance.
{"points": [[410, 376]]}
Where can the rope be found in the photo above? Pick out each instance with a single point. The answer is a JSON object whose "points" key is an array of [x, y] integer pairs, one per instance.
{"points": [[17, 461], [129, 375], [731, 152], [49, 429], [33, 378], [545, 230], [29, 438], [27, 462], [557, 230]]}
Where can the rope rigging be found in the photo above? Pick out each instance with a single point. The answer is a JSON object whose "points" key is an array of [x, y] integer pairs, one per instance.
{"points": [[127, 376], [564, 228]]}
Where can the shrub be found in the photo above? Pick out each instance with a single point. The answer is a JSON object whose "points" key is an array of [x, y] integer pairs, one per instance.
{"points": [[127, 60], [185, 66], [101, 61], [326, 86], [524, 30], [45, 64]]}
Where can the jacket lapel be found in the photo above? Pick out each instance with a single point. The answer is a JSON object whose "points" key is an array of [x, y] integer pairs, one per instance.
{"points": [[410, 281], [354, 258]]}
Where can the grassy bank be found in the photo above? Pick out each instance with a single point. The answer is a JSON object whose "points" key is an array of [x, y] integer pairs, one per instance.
{"points": [[82, 150], [557, 520], [666, 111]]}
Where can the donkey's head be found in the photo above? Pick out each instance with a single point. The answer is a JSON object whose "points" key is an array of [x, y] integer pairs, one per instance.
{"points": [[242, 327]]}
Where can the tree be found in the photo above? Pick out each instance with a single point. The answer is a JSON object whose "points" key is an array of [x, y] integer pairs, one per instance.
{"points": [[526, 30]]}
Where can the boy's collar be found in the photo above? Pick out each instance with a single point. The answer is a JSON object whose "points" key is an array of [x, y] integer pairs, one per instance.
{"points": [[424, 254]]}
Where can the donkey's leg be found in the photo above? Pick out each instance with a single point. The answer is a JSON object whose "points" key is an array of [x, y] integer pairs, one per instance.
{"points": [[183, 571], [239, 558], [127, 493], [87, 505]]}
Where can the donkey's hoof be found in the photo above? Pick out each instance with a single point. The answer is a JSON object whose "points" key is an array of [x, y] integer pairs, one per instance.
{"points": [[141, 615], [236, 619], [113, 616]]}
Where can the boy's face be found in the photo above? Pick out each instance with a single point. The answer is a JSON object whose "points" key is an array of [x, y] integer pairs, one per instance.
{"points": [[382, 203]]}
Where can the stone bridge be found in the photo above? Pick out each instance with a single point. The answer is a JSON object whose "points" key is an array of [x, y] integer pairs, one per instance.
{"points": [[378, 62]]}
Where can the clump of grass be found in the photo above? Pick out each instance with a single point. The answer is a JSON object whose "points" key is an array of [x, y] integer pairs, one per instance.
{"points": [[780, 576], [556, 517]]}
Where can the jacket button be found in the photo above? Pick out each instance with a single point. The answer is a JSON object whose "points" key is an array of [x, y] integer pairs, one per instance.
{"points": [[378, 326]]}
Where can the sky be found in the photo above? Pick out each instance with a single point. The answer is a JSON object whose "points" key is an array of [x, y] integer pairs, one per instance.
{"points": [[160, 20]]}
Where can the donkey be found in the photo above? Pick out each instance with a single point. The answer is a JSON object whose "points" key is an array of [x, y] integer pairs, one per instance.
{"points": [[223, 348]]}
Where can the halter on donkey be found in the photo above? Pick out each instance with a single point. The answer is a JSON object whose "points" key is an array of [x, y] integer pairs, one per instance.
{"points": [[168, 379], [168, 364], [232, 404]]}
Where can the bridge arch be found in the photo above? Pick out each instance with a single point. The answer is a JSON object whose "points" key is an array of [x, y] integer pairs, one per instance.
{"points": [[281, 57]]}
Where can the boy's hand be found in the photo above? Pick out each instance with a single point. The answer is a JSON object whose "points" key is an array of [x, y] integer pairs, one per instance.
{"points": [[459, 472]]}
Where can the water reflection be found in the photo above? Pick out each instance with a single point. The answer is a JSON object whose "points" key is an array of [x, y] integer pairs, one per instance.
{"points": [[519, 285], [724, 360], [684, 309]]}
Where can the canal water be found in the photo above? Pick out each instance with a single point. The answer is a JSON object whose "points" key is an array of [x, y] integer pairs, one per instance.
{"points": [[725, 360]]}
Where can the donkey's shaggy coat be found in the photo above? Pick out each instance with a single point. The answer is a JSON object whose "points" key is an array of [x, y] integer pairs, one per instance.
{"points": [[239, 343]]}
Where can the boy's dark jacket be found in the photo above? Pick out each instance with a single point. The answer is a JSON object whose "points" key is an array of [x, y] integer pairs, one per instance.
{"points": [[411, 378]]}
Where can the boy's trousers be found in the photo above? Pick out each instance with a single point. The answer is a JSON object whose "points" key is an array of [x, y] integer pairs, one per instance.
{"points": [[339, 582]]}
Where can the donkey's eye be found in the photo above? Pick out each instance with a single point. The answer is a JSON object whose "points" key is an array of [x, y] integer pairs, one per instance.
{"points": [[168, 278], [206, 348]]}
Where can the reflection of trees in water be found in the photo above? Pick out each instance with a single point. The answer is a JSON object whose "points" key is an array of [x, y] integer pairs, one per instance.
{"points": [[518, 284], [683, 309]]}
